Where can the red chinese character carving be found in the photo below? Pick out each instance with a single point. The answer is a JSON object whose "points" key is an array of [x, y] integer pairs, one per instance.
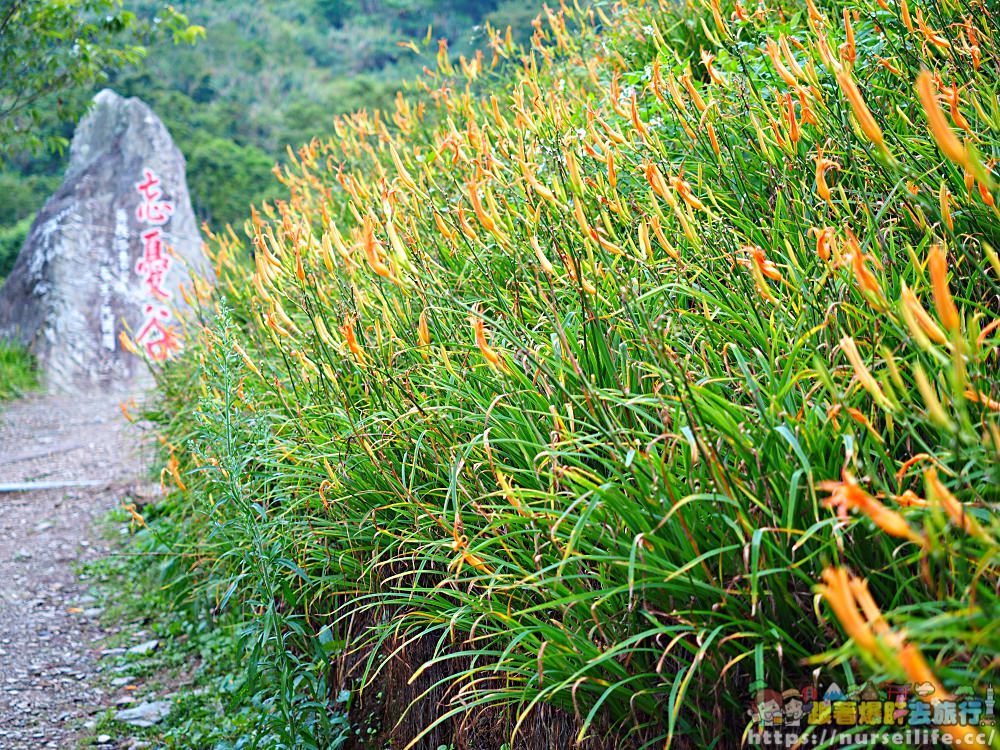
{"points": [[149, 189], [152, 211], [157, 339], [154, 263]]}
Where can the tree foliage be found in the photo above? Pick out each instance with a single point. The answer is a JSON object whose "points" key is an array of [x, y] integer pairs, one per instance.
{"points": [[50, 50]]}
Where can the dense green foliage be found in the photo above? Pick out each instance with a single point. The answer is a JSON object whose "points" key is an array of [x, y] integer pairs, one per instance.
{"points": [[267, 75], [49, 50], [17, 371], [11, 239], [198, 648], [576, 407]]}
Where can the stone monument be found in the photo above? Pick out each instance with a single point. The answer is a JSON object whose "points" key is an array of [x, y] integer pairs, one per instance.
{"points": [[107, 254]]}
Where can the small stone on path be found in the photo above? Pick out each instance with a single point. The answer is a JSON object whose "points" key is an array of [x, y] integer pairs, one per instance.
{"points": [[145, 714], [144, 648]]}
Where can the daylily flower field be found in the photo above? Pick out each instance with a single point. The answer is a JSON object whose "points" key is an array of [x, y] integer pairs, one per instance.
{"points": [[599, 383]]}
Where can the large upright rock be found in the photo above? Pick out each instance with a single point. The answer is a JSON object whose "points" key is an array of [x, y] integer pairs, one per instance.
{"points": [[109, 249]]}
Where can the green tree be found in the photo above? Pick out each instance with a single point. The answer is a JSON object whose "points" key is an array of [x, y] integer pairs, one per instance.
{"points": [[51, 50], [336, 11], [226, 178], [11, 239]]}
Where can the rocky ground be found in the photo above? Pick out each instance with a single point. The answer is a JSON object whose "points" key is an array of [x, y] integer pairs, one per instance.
{"points": [[51, 688]]}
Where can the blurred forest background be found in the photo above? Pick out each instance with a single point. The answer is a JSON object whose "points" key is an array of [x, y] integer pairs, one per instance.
{"points": [[267, 75]]}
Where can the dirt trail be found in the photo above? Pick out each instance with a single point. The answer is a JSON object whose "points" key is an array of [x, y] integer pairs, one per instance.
{"points": [[48, 622]]}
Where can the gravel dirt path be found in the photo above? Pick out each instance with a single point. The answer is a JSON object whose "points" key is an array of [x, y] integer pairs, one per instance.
{"points": [[49, 626]]}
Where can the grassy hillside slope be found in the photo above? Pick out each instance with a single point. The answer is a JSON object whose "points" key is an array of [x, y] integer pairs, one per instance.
{"points": [[578, 402]]}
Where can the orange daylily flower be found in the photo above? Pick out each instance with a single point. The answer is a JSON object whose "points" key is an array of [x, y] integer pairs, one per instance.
{"points": [[986, 195], [889, 66], [848, 50], [836, 589], [707, 59], [944, 206], [824, 239], [864, 116], [793, 125], [683, 188], [508, 492], [946, 309], [477, 206], [823, 46], [656, 181], [953, 94], [939, 493], [823, 164], [465, 226], [987, 330], [910, 499], [793, 65], [124, 406], [134, 512], [717, 17], [654, 222], [713, 139], [919, 673], [814, 15], [479, 330], [904, 12], [949, 143], [246, 358], [847, 495], [640, 126], [581, 218], [760, 267], [806, 111], [542, 260], [270, 322], [863, 374], [173, 468], [423, 332], [759, 258], [930, 34], [856, 415], [774, 55], [461, 545], [866, 280], [372, 249], [699, 103], [347, 330], [910, 463], [656, 80], [849, 597], [575, 276], [924, 323], [981, 398], [443, 228]]}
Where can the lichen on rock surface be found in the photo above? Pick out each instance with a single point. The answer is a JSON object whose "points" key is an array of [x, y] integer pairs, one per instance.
{"points": [[76, 286]]}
